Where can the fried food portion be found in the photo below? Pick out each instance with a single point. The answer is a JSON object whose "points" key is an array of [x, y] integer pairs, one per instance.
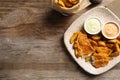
{"points": [[88, 58], [73, 1], [114, 54], [96, 50], [74, 36], [67, 3], [96, 38], [101, 57], [61, 3], [112, 41], [93, 43], [102, 43], [109, 45], [104, 50], [100, 60], [81, 44]]}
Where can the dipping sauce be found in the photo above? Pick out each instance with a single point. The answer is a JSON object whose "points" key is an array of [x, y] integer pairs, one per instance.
{"points": [[92, 26], [110, 29]]}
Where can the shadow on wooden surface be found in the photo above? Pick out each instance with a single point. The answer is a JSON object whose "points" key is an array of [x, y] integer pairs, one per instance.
{"points": [[28, 22], [54, 18]]}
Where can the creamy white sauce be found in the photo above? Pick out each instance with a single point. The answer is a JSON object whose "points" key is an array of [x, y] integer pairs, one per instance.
{"points": [[93, 25]]}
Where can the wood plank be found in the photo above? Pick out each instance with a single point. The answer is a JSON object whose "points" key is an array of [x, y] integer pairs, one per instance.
{"points": [[55, 75]]}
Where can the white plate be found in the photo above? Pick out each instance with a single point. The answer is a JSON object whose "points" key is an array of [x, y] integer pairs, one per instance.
{"points": [[105, 15]]}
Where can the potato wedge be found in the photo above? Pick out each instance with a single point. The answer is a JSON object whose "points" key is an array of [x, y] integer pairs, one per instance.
{"points": [[102, 43], [117, 47], [73, 38], [110, 45], [96, 38], [115, 54], [112, 41], [88, 58]]}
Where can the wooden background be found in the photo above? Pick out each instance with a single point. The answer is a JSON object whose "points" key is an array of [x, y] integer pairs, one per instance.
{"points": [[31, 43]]}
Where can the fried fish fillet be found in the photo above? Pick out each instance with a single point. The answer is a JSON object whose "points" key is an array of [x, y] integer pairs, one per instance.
{"points": [[83, 46], [100, 60], [104, 50]]}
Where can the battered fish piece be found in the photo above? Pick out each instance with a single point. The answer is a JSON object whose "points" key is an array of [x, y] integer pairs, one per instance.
{"points": [[100, 60], [83, 46], [104, 50]]}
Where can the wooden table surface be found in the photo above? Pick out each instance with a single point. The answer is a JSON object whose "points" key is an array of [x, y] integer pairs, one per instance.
{"points": [[32, 47]]}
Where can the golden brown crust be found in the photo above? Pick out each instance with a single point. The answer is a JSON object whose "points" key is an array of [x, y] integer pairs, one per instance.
{"points": [[83, 46], [67, 3]]}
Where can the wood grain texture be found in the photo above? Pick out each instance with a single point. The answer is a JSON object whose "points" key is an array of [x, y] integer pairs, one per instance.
{"points": [[31, 43]]}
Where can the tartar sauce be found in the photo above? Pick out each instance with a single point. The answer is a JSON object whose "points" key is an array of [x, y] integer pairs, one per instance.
{"points": [[92, 26]]}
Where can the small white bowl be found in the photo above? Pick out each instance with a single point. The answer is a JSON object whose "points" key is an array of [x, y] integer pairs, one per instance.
{"points": [[92, 26], [114, 36]]}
